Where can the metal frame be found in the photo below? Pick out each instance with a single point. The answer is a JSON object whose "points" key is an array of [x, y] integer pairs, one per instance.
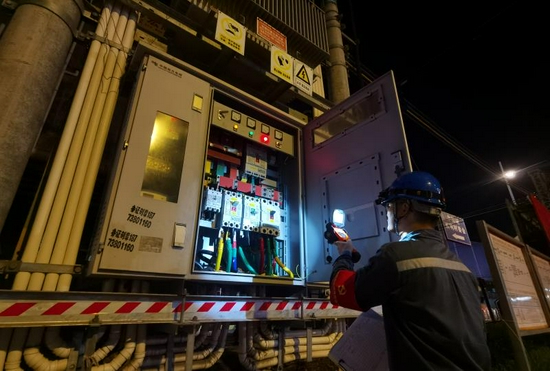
{"points": [[34, 309], [501, 262]]}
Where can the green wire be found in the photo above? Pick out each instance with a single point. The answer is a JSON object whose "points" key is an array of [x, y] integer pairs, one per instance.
{"points": [[229, 254], [269, 257], [245, 261]]}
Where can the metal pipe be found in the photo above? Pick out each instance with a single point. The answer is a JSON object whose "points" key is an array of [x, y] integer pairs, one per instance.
{"points": [[35, 237], [212, 359], [57, 210], [45, 255], [31, 61], [507, 183], [243, 347], [268, 344], [43, 212]]}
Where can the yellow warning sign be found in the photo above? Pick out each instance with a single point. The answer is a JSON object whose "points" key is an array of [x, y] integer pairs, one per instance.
{"points": [[230, 33], [303, 77], [281, 64]]}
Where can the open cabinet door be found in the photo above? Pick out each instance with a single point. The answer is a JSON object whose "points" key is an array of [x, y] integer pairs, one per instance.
{"points": [[351, 153]]}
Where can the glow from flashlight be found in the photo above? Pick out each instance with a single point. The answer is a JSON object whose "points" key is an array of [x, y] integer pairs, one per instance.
{"points": [[339, 218]]}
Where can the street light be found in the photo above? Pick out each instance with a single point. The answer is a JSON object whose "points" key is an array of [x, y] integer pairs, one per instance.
{"points": [[508, 175]]}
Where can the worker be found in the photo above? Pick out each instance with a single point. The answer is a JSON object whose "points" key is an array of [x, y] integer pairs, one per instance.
{"points": [[430, 300]]}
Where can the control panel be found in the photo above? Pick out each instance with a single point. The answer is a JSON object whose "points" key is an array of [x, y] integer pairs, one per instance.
{"points": [[251, 128]]}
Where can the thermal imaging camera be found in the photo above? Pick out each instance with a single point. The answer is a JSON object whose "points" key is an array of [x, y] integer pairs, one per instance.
{"points": [[335, 231]]}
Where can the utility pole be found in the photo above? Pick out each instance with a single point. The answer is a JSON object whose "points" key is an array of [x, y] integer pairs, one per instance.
{"points": [[339, 84], [507, 183]]}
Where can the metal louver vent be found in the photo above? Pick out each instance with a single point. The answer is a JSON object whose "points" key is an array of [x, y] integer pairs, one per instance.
{"points": [[301, 21]]}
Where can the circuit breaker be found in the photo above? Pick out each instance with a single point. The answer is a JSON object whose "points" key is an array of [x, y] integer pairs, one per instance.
{"points": [[252, 162]]}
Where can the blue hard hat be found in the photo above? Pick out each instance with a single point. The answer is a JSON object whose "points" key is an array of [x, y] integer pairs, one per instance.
{"points": [[416, 185]]}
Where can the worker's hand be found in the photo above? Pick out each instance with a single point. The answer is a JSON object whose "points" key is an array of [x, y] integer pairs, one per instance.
{"points": [[344, 246]]}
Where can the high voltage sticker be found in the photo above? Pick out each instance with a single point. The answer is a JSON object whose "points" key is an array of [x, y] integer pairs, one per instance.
{"points": [[303, 77]]}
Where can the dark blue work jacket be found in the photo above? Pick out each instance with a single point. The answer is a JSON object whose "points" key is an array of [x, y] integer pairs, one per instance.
{"points": [[431, 303]]}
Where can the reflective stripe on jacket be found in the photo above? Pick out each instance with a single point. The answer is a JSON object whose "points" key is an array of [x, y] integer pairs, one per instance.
{"points": [[430, 300]]}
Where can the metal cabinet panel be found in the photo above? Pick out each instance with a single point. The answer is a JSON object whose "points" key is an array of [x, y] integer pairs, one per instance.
{"points": [[150, 225]]}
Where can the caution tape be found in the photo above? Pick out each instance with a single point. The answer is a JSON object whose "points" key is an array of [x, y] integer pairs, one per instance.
{"points": [[38, 313]]}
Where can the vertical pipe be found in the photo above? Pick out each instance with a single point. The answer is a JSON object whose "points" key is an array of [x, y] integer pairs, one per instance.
{"points": [[190, 348], [33, 49], [309, 337], [97, 152], [5, 337], [57, 211], [17, 340], [46, 201], [339, 85], [73, 197]]}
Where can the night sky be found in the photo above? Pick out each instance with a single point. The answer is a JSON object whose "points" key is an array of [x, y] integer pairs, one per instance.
{"points": [[478, 71]]}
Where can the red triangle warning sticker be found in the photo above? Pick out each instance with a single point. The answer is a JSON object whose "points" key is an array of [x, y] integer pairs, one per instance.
{"points": [[303, 75]]}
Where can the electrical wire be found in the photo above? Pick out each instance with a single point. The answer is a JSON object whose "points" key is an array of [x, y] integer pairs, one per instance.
{"points": [[422, 120], [486, 210], [429, 125]]}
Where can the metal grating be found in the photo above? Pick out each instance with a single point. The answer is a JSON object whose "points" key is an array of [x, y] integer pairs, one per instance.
{"points": [[541, 180], [301, 21]]}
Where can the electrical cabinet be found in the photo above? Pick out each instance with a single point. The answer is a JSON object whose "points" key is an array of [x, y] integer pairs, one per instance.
{"points": [[148, 225], [214, 185], [207, 186]]}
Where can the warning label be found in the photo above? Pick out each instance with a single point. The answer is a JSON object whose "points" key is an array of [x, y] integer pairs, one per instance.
{"points": [[281, 64], [270, 34], [230, 33], [303, 77]]}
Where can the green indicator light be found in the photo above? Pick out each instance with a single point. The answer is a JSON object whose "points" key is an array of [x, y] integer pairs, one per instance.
{"points": [[251, 133]]}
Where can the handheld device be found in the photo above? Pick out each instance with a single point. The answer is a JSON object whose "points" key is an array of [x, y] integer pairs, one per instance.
{"points": [[335, 232]]}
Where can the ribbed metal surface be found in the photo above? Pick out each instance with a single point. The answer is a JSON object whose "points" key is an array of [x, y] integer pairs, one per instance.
{"points": [[301, 21], [302, 16], [541, 180]]}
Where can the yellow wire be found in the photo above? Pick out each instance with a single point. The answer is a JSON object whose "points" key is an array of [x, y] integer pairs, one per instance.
{"points": [[220, 251], [288, 271]]}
